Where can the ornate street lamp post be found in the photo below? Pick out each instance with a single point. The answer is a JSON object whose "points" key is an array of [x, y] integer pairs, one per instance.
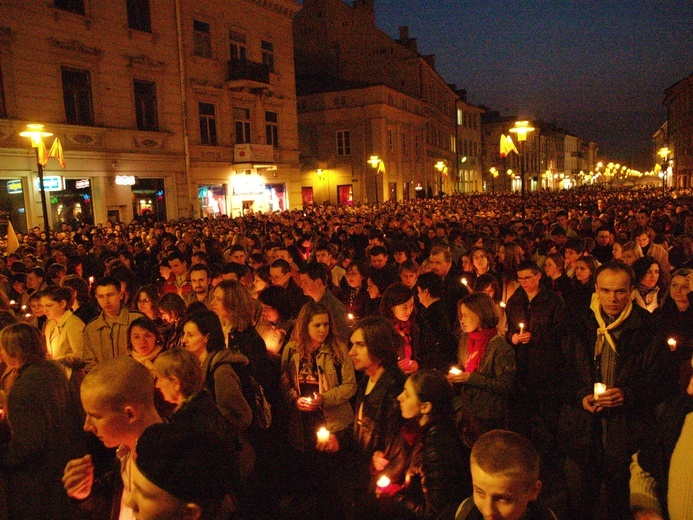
{"points": [[522, 128], [36, 133]]}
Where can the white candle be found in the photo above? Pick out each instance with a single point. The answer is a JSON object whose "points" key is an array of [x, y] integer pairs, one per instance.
{"points": [[672, 344], [522, 328], [455, 371], [599, 389], [383, 482], [350, 316], [323, 435], [502, 304], [464, 281]]}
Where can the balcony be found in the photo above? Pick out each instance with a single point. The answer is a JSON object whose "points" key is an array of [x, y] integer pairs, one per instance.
{"points": [[245, 74]]}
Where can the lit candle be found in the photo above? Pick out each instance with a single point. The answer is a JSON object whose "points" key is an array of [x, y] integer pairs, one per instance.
{"points": [[27, 315], [323, 435], [599, 389], [91, 281], [12, 302], [383, 482], [455, 371], [502, 304], [350, 316], [672, 344], [23, 307], [522, 328], [464, 281]]}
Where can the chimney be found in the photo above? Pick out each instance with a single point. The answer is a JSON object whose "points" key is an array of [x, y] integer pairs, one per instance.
{"points": [[404, 33]]}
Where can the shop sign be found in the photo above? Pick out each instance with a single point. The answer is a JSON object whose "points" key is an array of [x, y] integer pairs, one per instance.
{"points": [[51, 183], [125, 180], [243, 153], [14, 187], [248, 185], [82, 184]]}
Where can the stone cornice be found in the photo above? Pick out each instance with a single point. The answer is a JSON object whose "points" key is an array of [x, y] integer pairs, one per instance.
{"points": [[285, 7], [143, 61], [76, 46]]}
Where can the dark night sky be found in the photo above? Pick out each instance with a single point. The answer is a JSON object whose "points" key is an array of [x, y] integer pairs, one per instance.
{"points": [[597, 67]]}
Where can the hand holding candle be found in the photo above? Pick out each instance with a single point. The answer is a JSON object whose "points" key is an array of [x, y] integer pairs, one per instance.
{"points": [[455, 371]]}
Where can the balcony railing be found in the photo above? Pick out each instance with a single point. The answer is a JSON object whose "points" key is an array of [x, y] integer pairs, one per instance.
{"points": [[248, 70]]}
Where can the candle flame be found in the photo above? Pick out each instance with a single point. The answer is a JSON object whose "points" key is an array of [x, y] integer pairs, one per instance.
{"points": [[383, 481]]}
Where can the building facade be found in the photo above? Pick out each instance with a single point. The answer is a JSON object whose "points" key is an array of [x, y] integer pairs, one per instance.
{"points": [[679, 102], [240, 98], [105, 81], [146, 97], [409, 143]]}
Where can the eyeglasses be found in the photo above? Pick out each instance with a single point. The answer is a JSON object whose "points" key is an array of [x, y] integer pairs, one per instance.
{"points": [[144, 300]]}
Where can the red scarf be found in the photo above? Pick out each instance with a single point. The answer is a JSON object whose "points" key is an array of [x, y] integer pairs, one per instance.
{"points": [[404, 330], [477, 342]]}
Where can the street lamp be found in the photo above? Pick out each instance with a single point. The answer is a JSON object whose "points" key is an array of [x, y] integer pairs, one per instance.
{"points": [[664, 153], [494, 173], [36, 133], [376, 163], [522, 128], [440, 166]]}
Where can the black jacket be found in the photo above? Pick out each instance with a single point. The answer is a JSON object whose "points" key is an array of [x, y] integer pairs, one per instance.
{"points": [[438, 475], [437, 343], [640, 374], [380, 418], [539, 361]]}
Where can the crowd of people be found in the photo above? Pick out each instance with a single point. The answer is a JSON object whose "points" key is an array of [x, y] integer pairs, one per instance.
{"points": [[435, 358]]}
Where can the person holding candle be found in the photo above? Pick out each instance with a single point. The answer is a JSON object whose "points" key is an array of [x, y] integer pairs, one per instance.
{"points": [[616, 344], [44, 428], [437, 477], [440, 263], [534, 404], [317, 380], [354, 293], [63, 331], [118, 400], [488, 364], [675, 317], [398, 306], [374, 349]]}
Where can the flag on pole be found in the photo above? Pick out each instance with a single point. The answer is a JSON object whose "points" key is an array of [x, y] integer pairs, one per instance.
{"points": [[12, 241], [510, 146], [57, 152], [43, 155]]}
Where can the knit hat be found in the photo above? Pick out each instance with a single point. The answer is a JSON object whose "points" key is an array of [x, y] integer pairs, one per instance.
{"points": [[193, 466]]}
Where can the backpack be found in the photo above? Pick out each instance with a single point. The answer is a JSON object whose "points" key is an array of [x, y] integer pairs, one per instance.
{"points": [[252, 392]]}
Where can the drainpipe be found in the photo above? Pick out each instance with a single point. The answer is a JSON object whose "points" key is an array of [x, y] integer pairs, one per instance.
{"points": [[184, 105]]}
